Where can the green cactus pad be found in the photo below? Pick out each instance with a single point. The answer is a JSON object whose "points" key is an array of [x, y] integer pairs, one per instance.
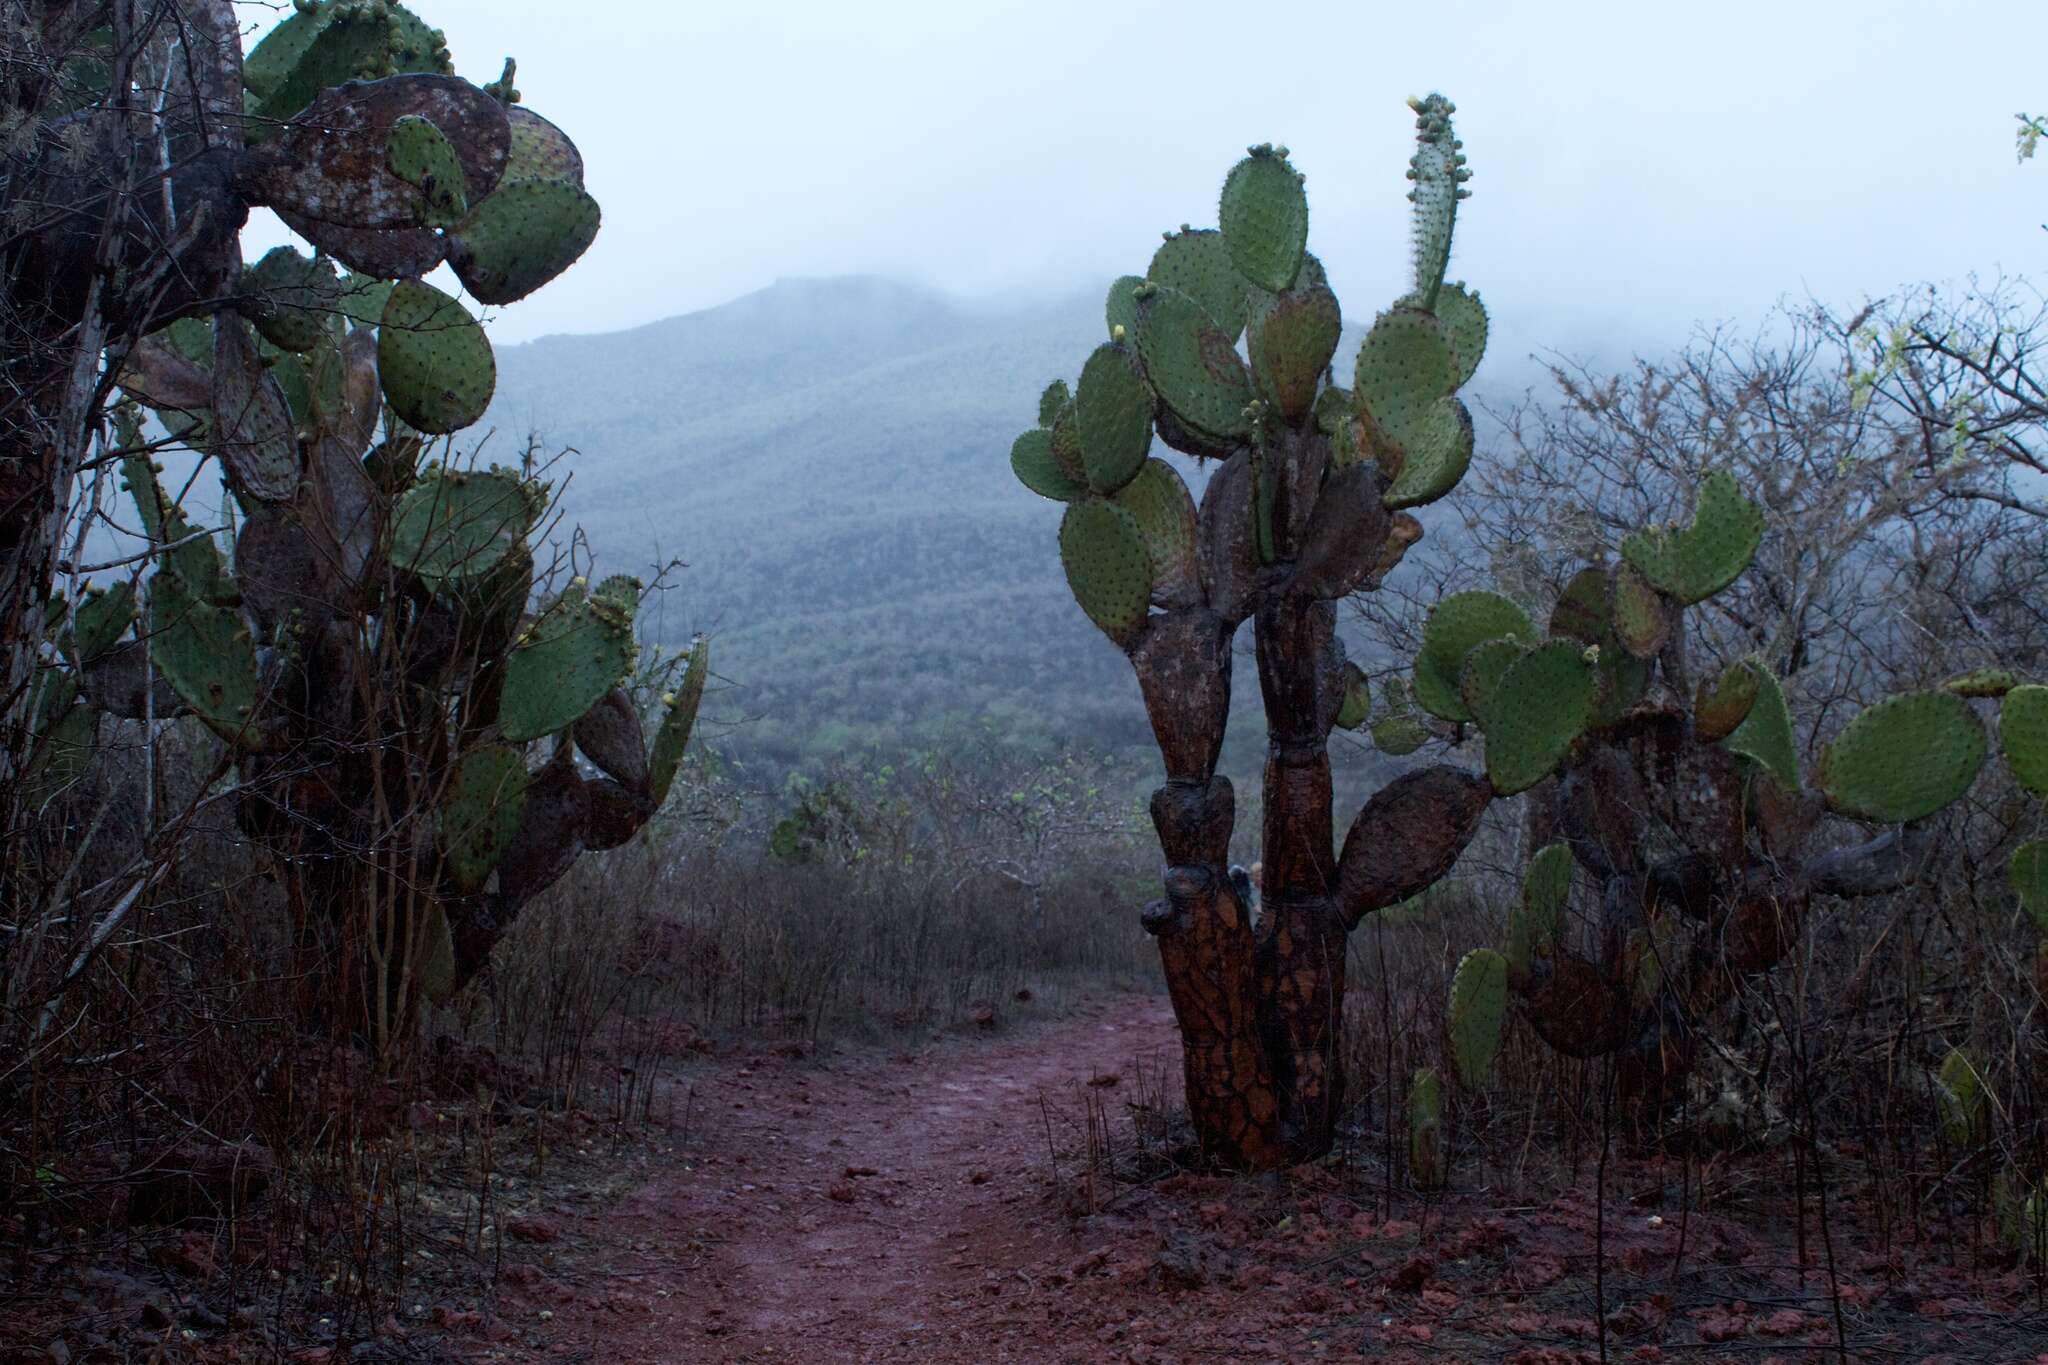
{"points": [[621, 590], [479, 815], [205, 653], [1464, 317], [1399, 731], [1066, 445], [1693, 563], [1479, 1002], [333, 46], [435, 968], [1263, 216], [539, 150], [436, 367], [1585, 609], [102, 618], [1904, 758], [419, 155], [1052, 401], [577, 650], [1292, 337], [1479, 679], [292, 299], [1719, 707], [252, 428], [1540, 708], [1193, 365], [2023, 734], [1108, 567], [1537, 924], [1426, 1129], [1435, 456], [1643, 619], [1031, 460], [2029, 872], [1438, 173], [679, 715], [1198, 265], [1983, 682], [1406, 372], [1765, 733], [1458, 625], [1357, 707], [1165, 513], [1113, 418], [520, 236], [1120, 308], [458, 525], [1963, 1101], [361, 298]]}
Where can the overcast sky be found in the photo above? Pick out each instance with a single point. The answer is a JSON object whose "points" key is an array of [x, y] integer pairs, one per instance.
{"points": [[1639, 166]]}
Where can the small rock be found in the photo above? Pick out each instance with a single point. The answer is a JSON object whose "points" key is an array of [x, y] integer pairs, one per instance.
{"points": [[531, 1228]]}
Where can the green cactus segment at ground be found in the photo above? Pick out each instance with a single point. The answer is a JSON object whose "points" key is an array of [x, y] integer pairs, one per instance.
{"points": [[1263, 216], [1479, 1002], [1108, 567], [1904, 758], [1052, 402], [1426, 1158], [2023, 734], [480, 811], [292, 299], [1032, 461], [1399, 731], [1479, 679], [1165, 513], [457, 525], [679, 714], [1438, 173], [1765, 732], [436, 367], [1356, 708], [576, 650], [2029, 873], [1537, 923], [1406, 373], [422, 157], [1983, 682], [205, 653], [520, 236], [1963, 1100], [1291, 338], [1198, 265], [1693, 563], [1540, 707], [1120, 308], [1458, 625], [102, 618], [1721, 706], [1193, 365], [1113, 418]]}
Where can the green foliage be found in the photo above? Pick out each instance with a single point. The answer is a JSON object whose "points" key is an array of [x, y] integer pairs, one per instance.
{"points": [[1479, 1001]]}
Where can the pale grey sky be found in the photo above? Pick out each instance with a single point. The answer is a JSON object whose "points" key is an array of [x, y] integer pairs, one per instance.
{"points": [[1639, 166]]}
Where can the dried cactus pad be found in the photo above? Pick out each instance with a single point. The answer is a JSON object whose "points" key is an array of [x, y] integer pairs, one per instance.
{"points": [[519, 237], [1904, 758], [1719, 707], [1765, 732], [1198, 265], [2029, 872], [1693, 563], [253, 431], [1538, 921], [1264, 219], [1113, 416], [1108, 567], [1193, 364], [480, 812], [436, 367], [678, 716], [459, 525], [2023, 732], [1460, 623], [1479, 1001], [1540, 708], [577, 650]]}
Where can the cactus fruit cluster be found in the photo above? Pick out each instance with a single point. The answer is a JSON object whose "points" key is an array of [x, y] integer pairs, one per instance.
{"points": [[370, 649], [1307, 502]]}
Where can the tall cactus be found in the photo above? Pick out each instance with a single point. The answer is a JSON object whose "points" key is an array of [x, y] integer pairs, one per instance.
{"points": [[1306, 505], [370, 651], [146, 136]]}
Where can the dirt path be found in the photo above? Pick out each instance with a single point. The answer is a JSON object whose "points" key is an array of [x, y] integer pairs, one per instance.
{"points": [[879, 1210]]}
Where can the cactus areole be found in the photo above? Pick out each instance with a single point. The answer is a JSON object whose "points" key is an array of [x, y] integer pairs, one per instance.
{"points": [[1304, 507]]}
